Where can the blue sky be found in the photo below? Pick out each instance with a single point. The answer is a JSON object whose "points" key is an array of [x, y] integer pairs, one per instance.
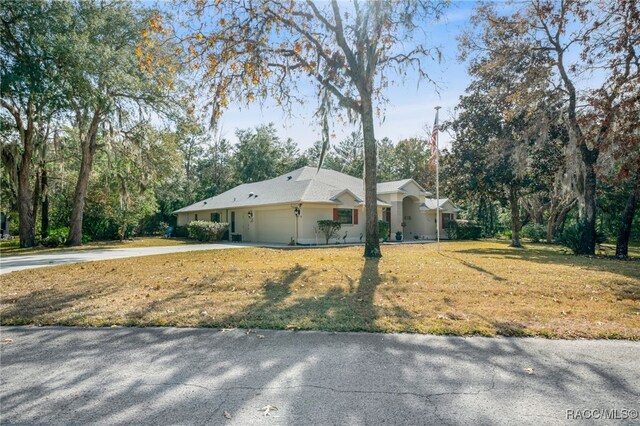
{"points": [[410, 107]]}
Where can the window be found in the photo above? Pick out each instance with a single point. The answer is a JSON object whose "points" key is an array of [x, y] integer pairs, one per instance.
{"points": [[215, 217], [233, 222], [346, 216], [195, 216]]}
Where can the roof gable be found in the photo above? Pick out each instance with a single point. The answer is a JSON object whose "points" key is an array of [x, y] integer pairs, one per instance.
{"points": [[399, 186], [445, 204]]}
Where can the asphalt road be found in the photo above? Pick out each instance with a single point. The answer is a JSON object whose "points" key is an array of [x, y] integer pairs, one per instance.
{"points": [[30, 261], [117, 376]]}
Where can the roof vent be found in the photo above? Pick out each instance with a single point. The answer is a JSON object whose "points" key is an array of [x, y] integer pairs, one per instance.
{"points": [[204, 202], [288, 177], [251, 194]]}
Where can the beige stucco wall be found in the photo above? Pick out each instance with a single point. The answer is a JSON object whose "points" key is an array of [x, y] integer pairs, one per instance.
{"points": [[431, 223], [312, 213], [415, 219], [405, 207]]}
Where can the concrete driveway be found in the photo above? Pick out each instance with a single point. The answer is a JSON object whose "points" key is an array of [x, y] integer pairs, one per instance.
{"points": [[30, 261], [154, 376]]}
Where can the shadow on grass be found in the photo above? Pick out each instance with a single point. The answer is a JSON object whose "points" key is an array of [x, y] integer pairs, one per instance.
{"points": [[547, 256], [336, 309], [36, 306], [473, 266], [280, 304]]}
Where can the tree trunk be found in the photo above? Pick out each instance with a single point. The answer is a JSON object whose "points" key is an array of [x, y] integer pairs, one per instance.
{"points": [[36, 197], [89, 147], [372, 243], [557, 216], [624, 233], [25, 210], [588, 243], [535, 208], [515, 217], [82, 185], [45, 203], [20, 172]]}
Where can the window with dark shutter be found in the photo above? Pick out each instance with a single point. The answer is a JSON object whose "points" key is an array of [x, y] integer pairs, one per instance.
{"points": [[345, 216]]}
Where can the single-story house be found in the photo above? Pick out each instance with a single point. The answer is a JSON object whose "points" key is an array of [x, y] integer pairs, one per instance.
{"points": [[287, 208]]}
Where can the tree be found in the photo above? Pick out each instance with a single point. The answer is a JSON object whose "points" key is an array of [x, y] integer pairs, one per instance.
{"points": [[348, 155], [622, 160], [191, 138], [329, 228], [412, 159], [386, 160], [512, 87], [290, 157], [105, 84], [250, 50], [215, 169], [29, 90], [258, 154], [607, 35]]}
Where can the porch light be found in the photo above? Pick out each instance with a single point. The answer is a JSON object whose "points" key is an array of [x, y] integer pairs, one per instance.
{"points": [[298, 211], [250, 214]]}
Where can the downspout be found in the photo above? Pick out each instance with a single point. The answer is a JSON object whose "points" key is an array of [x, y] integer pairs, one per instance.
{"points": [[299, 224]]}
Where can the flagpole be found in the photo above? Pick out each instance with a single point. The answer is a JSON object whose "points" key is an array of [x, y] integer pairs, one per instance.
{"points": [[437, 182]]}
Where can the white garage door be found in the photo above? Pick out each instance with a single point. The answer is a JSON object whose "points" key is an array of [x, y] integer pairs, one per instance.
{"points": [[275, 226]]}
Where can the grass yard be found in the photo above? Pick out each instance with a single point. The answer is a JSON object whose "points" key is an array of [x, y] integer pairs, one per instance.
{"points": [[468, 288], [12, 248]]}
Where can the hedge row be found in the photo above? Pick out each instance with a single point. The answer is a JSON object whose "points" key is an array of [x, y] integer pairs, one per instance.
{"points": [[203, 230], [463, 231]]}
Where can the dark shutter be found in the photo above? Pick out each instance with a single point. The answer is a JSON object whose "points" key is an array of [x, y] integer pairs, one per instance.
{"points": [[335, 214], [355, 216]]}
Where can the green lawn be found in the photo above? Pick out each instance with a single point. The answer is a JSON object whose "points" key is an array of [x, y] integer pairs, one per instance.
{"points": [[468, 288]]}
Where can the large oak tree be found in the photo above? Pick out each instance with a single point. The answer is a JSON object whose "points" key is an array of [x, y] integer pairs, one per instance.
{"points": [[30, 91], [608, 38]]}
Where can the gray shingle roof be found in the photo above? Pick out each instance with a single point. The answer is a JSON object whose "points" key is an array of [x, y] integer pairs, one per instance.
{"points": [[303, 185], [394, 186], [430, 204], [397, 186]]}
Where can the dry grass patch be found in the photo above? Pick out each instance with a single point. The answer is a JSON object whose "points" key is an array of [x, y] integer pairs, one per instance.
{"points": [[469, 288], [12, 248]]}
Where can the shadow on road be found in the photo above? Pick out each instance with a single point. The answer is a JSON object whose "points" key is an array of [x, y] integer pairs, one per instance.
{"points": [[192, 376]]}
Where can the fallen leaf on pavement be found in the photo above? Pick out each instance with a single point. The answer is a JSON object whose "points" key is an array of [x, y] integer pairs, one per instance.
{"points": [[268, 408], [7, 340], [227, 415], [529, 370]]}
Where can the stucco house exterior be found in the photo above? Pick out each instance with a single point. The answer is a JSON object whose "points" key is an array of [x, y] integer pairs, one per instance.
{"points": [[287, 208]]}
